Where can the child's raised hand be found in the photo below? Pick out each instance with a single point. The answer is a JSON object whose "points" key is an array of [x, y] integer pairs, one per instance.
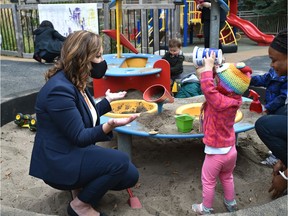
{"points": [[208, 63]]}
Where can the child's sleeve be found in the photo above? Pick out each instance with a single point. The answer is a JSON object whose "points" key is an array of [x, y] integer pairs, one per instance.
{"points": [[261, 80], [278, 101]]}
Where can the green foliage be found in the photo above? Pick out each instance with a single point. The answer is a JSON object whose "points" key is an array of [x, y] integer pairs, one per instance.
{"points": [[250, 5], [278, 7]]}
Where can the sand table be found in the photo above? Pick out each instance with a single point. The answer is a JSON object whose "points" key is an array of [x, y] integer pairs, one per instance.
{"points": [[169, 169], [165, 122]]}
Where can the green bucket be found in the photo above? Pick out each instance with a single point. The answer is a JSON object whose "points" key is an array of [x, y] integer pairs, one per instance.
{"points": [[184, 123]]}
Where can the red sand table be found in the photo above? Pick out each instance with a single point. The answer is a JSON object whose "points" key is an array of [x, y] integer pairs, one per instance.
{"points": [[117, 78]]}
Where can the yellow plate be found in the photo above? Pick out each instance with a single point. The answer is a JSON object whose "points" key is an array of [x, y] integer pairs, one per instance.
{"points": [[194, 109], [126, 108]]}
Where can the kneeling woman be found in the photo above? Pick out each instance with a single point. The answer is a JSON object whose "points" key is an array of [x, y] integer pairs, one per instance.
{"points": [[68, 126]]}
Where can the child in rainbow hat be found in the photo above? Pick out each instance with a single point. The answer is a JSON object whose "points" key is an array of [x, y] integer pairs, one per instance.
{"points": [[223, 99]]}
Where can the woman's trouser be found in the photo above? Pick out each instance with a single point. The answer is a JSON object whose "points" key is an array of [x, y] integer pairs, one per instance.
{"points": [[272, 130], [102, 169]]}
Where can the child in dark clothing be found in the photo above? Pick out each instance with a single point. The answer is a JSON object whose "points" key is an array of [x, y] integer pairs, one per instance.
{"points": [[275, 80], [175, 58], [205, 7], [48, 42]]}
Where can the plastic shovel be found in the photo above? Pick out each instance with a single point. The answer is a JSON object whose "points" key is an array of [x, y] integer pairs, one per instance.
{"points": [[255, 105], [133, 201]]}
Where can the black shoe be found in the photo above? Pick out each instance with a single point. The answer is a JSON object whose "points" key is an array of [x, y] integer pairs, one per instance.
{"points": [[37, 58], [70, 211]]}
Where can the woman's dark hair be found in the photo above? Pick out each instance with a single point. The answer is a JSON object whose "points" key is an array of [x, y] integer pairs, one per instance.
{"points": [[280, 42], [46, 24]]}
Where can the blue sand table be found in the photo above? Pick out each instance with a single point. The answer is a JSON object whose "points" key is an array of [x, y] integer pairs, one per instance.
{"points": [[115, 70], [125, 133]]}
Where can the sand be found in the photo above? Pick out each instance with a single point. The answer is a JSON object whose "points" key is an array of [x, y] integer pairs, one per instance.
{"points": [[170, 171]]}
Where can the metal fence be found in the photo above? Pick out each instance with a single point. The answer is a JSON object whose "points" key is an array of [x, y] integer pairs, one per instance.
{"points": [[148, 29], [18, 22], [269, 24]]}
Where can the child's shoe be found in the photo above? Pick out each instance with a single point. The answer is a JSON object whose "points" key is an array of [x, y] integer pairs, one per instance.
{"points": [[202, 210], [231, 206]]}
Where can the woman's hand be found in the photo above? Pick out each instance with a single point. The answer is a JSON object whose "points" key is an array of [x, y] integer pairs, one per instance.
{"points": [[114, 96], [279, 166], [208, 63], [116, 122], [279, 184]]}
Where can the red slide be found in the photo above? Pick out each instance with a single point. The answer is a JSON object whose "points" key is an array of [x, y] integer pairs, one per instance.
{"points": [[250, 30], [123, 40]]}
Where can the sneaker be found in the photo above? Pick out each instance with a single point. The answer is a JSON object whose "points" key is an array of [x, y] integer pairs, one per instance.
{"points": [[271, 160], [202, 210], [231, 206]]}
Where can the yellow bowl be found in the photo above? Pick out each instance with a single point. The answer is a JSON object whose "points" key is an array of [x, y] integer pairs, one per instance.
{"points": [[194, 109], [126, 108]]}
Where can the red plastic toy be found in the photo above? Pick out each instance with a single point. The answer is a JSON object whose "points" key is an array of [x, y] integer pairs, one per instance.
{"points": [[255, 105]]}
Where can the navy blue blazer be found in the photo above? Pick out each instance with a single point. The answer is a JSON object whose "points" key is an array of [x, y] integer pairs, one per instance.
{"points": [[64, 131]]}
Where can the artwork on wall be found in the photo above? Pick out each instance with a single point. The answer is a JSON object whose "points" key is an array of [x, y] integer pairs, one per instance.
{"points": [[67, 18]]}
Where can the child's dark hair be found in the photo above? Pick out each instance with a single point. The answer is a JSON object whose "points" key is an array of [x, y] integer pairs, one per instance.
{"points": [[280, 42], [46, 23], [174, 42]]}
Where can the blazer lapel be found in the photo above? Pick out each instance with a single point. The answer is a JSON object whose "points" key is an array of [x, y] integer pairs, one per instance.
{"points": [[86, 107]]}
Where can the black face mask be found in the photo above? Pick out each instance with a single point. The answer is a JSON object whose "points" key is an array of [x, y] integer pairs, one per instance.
{"points": [[98, 69]]}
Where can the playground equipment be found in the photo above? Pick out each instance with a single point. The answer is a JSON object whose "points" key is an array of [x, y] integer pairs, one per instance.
{"points": [[247, 27], [130, 71], [227, 33], [250, 30], [136, 128]]}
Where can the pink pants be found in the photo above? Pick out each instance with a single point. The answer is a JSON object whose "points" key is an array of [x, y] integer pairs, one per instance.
{"points": [[221, 166]]}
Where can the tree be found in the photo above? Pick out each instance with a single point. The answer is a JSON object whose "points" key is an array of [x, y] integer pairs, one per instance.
{"points": [[276, 8], [250, 5]]}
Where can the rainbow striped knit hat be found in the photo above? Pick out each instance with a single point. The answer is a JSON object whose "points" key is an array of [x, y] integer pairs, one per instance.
{"points": [[234, 77]]}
